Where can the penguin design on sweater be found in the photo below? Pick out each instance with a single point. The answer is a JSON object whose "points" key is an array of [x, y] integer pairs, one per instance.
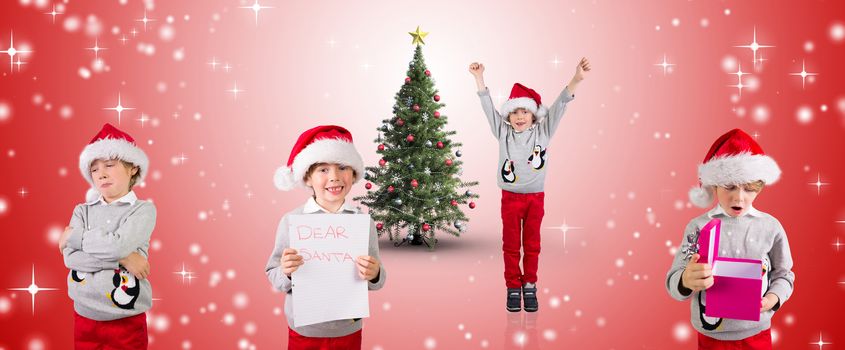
{"points": [[707, 322], [126, 289], [507, 172], [78, 277], [538, 158]]}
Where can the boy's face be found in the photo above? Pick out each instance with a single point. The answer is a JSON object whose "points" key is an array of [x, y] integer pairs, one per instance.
{"points": [[111, 178], [521, 119], [736, 199], [331, 183]]}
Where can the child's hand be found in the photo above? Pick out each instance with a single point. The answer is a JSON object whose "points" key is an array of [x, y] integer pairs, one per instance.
{"points": [[368, 267], [581, 69], [768, 302], [137, 265], [290, 261], [477, 69], [63, 238], [697, 276]]}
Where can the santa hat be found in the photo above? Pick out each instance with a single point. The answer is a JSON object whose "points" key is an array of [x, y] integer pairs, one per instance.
{"points": [[734, 159], [523, 97], [323, 144], [111, 143]]}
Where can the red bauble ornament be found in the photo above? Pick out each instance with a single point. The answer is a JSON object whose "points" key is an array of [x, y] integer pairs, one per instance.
{"points": [[426, 227], [427, 73], [416, 108], [454, 203], [472, 205], [407, 80], [414, 183], [400, 122], [436, 98], [382, 162], [379, 226], [390, 189], [381, 147], [410, 138], [448, 162], [368, 185], [436, 114], [439, 144]]}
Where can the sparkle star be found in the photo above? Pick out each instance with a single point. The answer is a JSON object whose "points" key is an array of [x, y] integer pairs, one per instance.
{"points": [[555, 61], [818, 184], [821, 343], [804, 74], [143, 119], [213, 63], [565, 229], [53, 13], [134, 32], [754, 46], [145, 20], [182, 158], [739, 73], [838, 244], [19, 63], [33, 289], [119, 108], [23, 192], [418, 36], [227, 67], [367, 66], [123, 39], [665, 64], [256, 7], [236, 91], [185, 274], [12, 51], [96, 48]]}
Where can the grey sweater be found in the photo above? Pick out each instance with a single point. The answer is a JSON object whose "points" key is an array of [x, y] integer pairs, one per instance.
{"points": [[755, 235], [101, 289], [282, 282], [522, 155]]}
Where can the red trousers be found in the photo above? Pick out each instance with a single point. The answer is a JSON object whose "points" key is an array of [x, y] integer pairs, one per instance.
{"points": [[301, 342], [522, 214], [124, 333], [759, 341]]}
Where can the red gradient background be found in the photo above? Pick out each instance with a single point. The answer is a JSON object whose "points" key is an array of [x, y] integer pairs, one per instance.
{"points": [[620, 166]]}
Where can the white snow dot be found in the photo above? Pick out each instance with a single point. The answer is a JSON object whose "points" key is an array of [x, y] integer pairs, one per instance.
{"points": [[636, 234], [808, 46], [184, 319], [620, 263], [202, 216], [609, 282], [228, 319], [549, 335], [704, 22], [186, 344], [194, 249], [601, 322], [53, 234], [823, 108], [804, 114], [240, 300], [5, 305], [761, 114], [681, 332], [277, 311], [161, 323], [468, 336], [520, 338], [166, 33], [554, 302], [155, 245], [212, 307], [230, 274], [676, 22], [430, 343], [179, 54], [837, 32], [727, 12], [65, 112], [36, 344], [71, 24], [386, 306], [250, 328], [5, 111]]}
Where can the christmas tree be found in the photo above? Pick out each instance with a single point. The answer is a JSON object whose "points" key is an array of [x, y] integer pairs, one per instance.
{"points": [[416, 185]]}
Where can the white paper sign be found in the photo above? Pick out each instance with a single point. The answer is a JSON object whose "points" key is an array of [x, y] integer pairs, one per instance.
{"points": [[327, 286]]}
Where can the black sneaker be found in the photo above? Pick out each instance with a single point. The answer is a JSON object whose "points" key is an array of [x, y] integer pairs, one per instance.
{"points": [[514, 300], [529, 293]]}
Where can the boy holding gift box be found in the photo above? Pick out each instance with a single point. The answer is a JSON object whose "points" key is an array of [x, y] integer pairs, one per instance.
{"points": [[734, 172]]}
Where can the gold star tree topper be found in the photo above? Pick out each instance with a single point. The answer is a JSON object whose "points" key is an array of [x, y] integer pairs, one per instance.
{"points": [[418, 36]]}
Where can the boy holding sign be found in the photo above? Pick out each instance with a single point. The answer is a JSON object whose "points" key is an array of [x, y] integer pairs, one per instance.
{"points": [[325, 160], [734, 172]]}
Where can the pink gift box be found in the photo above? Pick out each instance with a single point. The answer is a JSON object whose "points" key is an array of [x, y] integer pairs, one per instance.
{"points": [[737, 283]]}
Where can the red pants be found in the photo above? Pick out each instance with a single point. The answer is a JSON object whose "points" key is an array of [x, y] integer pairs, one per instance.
{"points": [[759, 341], [522, 214], [301, 342], [124, 333]]}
